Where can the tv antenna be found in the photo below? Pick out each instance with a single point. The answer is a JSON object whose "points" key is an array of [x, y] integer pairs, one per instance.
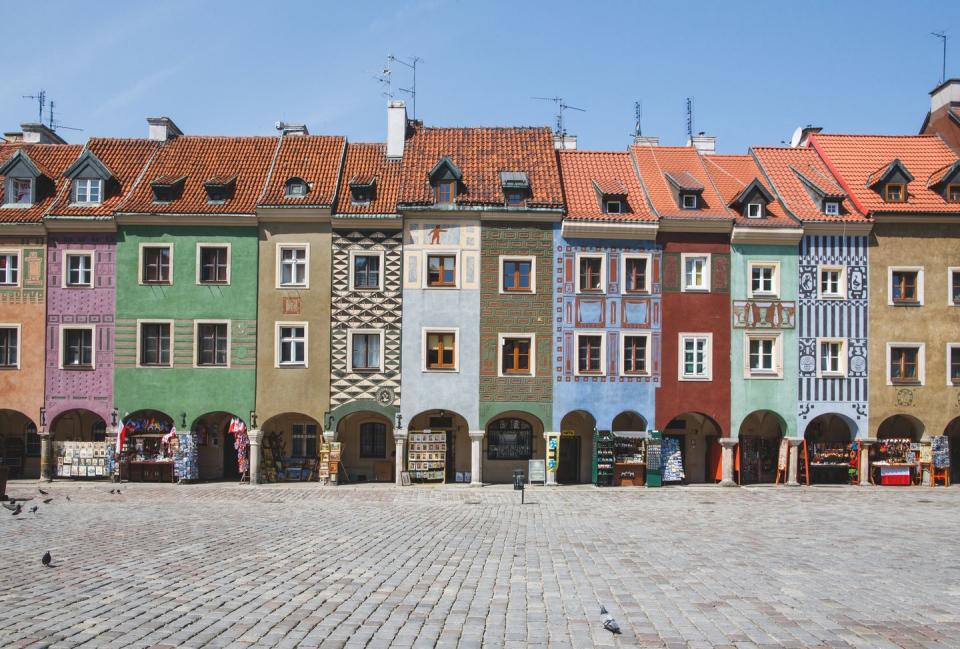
{"points": [[690, 118], [637, 119], [412, 64], [561, 106], [384, 77], [41, 99], [54, 124], [942, 35]]}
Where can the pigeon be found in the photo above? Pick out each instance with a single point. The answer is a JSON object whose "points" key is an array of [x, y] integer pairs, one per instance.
{"points": [[68, 498], [12, 506], [608, 622], [46, 559], [16, 511], [33, 510], [113, 491], [47, 501], [118, 492], [45, 493]]}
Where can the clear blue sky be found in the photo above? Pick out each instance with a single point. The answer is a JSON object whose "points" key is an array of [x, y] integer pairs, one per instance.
{"points": [[756, 70]]}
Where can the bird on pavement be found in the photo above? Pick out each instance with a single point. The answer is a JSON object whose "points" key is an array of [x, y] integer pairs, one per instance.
{"points": [[47, 501], [33, 510], [608, 622], [45, 493], [12, 506], [16, 511], [113, 491], [46, 559], [68, 498]]}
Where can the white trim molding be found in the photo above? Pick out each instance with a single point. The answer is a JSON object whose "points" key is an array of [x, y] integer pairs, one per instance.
{"points": [[776, 372], [897, 269], [18, 327], [684, 256], [214, 244], [279, 267], [435, 252], [774, 279], [426, 331], [196, 343], [277, 342], [367, 253], [533, 274], [603, 272], [93, 346], [648, 279], [921, 364], [950, 271], [708, 356], [364, 332], [577, 335], [647, 353], [167, 322], [18, 253], [65, 268], [841, 373], [501, 337], [140, 269], [841, 282]]}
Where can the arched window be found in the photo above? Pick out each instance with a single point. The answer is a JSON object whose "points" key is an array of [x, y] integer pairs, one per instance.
{"points": [[509, 439], [295, 188], [373, 439]]}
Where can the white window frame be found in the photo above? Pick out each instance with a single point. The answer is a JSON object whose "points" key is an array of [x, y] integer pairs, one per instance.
{"points": [[776, 372], [279, 269], [623, 272], [277, 344], [140, 269], [841, 286], [196, 344], [577, 335], [93, 346], [367, 253], [15, 252], [708, 356], [950, 271], [74, 191], [684, 256], [603, 272], [774, 280], [501, 338], [950, 346], [424, 332], [683, 201], [9, 200], [831, 208], [426, 270], [842, 372], [647, 355], [533, 273], [896, 269], [608, 203], [14, 325], [758, 206], [65, 268], [364, 332], [214, 244], [173, 348], [921, 362]]}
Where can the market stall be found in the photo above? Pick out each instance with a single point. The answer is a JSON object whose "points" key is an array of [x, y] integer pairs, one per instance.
{"points": [[896, 461], [630, 463], [81, 459], [830, 462], [757, 459], [427, 456], [150, 449], [671, 457]]}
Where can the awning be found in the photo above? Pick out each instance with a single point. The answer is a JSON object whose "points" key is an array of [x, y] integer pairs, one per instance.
{"points": [[631, 434]]}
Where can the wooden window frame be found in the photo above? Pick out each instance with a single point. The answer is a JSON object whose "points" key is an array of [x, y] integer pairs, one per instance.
{"points": [[92, 365], [831, 208], [278, 346], [903, 193], [602, 371], [841, 282], [353, 279], [363, 451], [19, 346], [758, 215], [918, 287], [438, 192], [686, 256], [503, 260], [951, 348], [648, 274], [306, 265], [948, 194], [17, 254], [196, 343], [364, 332], [602, 274], [953, 286], [91, 182], [610, 202], [531, 371], [426, 333], [172, 343], [919, 348], [682, 337], [683, 201], [776, 355], [841, 372], [65, 268], [646, 355], [456, 270], [214, 246], [774, 267], [143, 269]]}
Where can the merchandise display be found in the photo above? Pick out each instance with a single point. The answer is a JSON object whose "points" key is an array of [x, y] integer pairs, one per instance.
{"points": [[81, 459], [671, 454], [328, 467], [896, 461], [830, 462], [941, 451], [758, 459], [629, 467], [604, 446], [145, 449], [427, 456], [184, 450]]}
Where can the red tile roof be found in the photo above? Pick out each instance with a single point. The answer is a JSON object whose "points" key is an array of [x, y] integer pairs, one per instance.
{"points": [[610, 186], [732, 174], [481, 154], [785, 166], [363, 164], [126, 159], [853, 158], [52, 160], [200, 158], [315, 159], [614, 169], [655, 162]]}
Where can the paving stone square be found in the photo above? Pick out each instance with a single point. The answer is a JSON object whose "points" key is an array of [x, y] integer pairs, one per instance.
{"points": [[301, 565]]}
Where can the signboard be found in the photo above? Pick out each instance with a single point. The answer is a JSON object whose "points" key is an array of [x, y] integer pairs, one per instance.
{"points": [[568, 433], [940, 447], [553, 452], [654, 477], [405, 479], [783, 455], [537, 470]]}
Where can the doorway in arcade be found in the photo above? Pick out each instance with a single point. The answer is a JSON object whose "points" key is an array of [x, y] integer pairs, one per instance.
{"points": [[952, 431], [512, 440], [575, 464], [457, 464], [19, 445], [290, 447], [368, 453], [217, 455], [690, 450], [758, 447], [828, 441]]}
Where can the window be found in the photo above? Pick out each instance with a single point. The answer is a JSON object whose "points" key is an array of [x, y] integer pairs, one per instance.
{"points": [[441, 350], [360, 195], [590, 273], [953, 193], [34, 443], [77, 348], [516, 274], [9, 269], [831, 208], [154, 344], [832, 284], [295, 188], [442, 270], [78, 271], [21, 190], [764, 279], [516, 355], [213, 264], [953, 284], [696, 272], [213, 344], [446, 191], [905, 286], [155, 264], [590, 354], [636, 273], [612, 207], [689, 201], [509, 439], [905, 363], [9, 346], [953, 364], [754, 210], [366, 272], [373, 439], [894, 193], [88, 190], [833, 357], [695, 362], [365, 351], [293, 266], [763, 355], [291, 344], [515, 198], [304, 440], [635, 349]]}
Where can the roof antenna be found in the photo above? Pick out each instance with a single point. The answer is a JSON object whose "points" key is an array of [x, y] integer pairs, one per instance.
{"points": [[385, 82], [54, 124], [41, 99], [412, 64], [637, 119], [942, 35], [690, 119], [560, 130]]}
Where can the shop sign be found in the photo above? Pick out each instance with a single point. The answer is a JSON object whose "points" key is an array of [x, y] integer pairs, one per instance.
{"points": [[553, 452], [568, 433], [537, 470]]}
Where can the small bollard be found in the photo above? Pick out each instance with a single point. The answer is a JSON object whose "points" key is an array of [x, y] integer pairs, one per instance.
{"points": [[519, 481]]}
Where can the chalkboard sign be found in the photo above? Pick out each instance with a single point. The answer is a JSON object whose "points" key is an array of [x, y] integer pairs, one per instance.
{"points": [[782, 457], [405, 479], [537, 470], [941, 451]]}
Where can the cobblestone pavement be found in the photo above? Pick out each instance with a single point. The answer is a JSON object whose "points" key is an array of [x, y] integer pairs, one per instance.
{"points": [[378, 566]]}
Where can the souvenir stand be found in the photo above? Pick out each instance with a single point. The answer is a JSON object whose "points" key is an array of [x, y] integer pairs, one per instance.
{"points": [[940, 456], [146, 454], [630, 462], [604, 445], [758, 459], [82, 459], [427, 456], [328, 468], [896, 461], [278, 467], [830, 462], [671, 458]]}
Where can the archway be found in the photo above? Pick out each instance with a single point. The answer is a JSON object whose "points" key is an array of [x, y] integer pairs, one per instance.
{"points": [[78, 425], [576, 448], [690, 449], [513, 438], [19, 445], [952, 431], [145, 457], [368, 452], [828, 438], [758, 446], [629, 421], [290, 441], [900, 427], [458, 458], [218, 457]]}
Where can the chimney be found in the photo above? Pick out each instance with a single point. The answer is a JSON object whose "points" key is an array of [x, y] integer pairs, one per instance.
{"points": [[647, 140], [36, 133], [13, 136], [162, 129], [564, 142], [705, 144], [945, 94], [396, 128], [292, 128]]}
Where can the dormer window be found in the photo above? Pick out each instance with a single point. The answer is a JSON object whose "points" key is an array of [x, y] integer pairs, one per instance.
{"points": [[515, 198], [220, 189], [361, 189], [167, 188], [689, 201], [754, 210], [516, 187], [953, 193], [831, 208], [894, 193], [446, 192], [890, 181], [21, 191], [20, 186], [295, 188], [88, 191], [612, 207], [445, 178]]}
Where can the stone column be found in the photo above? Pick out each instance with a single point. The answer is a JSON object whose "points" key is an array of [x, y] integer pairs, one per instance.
{"points": [[551, 475], [476, 450], [865, 461], [727, 462], [400, 445], [793, 462], [255, 435], [46, 448]]}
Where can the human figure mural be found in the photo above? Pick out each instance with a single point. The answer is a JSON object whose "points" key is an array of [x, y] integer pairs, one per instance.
{"points": [[435, 234]]}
